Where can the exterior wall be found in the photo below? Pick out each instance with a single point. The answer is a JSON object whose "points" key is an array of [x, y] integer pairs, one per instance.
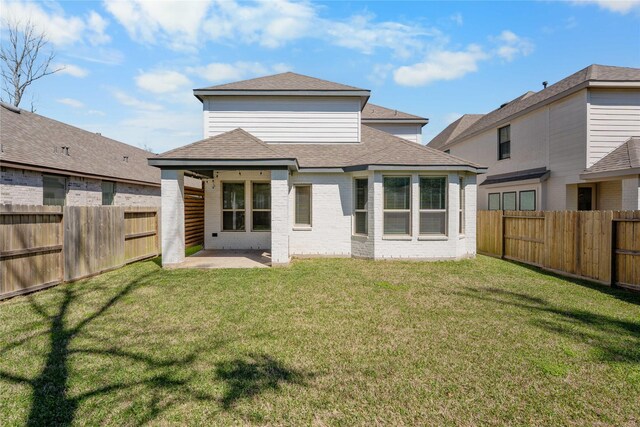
{"points": [[410, 132], [614, 117], [280, 253], [285, 119], [609, 195], [21, 186], [213, 213], [631, 192], [172, 218], [483, 193]]}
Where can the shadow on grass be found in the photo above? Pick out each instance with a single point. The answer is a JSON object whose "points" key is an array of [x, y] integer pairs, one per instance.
{"points": [[51, 403], [247, 378], [613, 339]]}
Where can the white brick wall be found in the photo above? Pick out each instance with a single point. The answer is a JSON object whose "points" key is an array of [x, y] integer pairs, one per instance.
{"points": [[20, 187], [83, 192], [172, 218], [135, 195], [280, 253]]}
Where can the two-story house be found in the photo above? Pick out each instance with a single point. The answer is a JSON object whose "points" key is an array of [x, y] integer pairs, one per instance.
{"points": [[301, 166], [569, 146]]}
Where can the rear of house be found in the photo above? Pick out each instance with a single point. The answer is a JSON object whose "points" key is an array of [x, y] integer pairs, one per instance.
{"points": [[300, 166], [552, 150]]}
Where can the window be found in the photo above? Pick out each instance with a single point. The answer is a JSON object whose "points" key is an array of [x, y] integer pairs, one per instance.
{"points": [[397, 205], [509, 201], [303, 205], [528, 200], [504, 142], [54, 190], [461, 209], [261, 206], [108, 192], [433, 208], [360, 211], [494, 201], [233, 209]]}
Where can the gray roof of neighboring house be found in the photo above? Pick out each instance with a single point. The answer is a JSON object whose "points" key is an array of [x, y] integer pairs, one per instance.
{"points": [[373, 112], [285, 82], [33, 140], [623, 158], [376, 148], [593, 73], [522, 175], [453, 130]]}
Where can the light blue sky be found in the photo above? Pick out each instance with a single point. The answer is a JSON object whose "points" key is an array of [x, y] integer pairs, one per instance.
{"points": [[130, 66]]}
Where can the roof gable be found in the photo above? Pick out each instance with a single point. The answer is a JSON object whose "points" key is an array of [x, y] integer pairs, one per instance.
{"points": [[453, 130], [284, 82], [627, 156]]}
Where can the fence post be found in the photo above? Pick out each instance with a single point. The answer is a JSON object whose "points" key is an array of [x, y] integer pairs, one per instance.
{"points": [[614, 238], [502, 232]]}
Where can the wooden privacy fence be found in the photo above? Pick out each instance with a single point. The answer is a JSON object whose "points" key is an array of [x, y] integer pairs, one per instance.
{"points": [[41, 246], [193, 216], [602, 246]]}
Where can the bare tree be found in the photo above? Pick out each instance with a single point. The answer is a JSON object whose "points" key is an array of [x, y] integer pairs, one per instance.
{"points": [[25, 58]]}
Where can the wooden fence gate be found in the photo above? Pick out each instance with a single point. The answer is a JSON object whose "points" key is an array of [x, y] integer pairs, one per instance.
{"points": [[603, 246]]}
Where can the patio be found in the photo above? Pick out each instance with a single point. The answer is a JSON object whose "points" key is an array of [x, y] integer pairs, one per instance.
{"points": [[220, 258]]}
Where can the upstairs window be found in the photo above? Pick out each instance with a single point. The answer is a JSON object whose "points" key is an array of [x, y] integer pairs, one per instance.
{"points": [[261, 206], [397, 205], [233, 206], [504, 142], [303, 205], [433, 205], [108, 192], [54, 190], [361, 205]]}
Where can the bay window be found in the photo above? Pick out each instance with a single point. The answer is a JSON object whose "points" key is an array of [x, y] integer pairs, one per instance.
{"points": [[233, 206], [397, 205], [433, 205]]}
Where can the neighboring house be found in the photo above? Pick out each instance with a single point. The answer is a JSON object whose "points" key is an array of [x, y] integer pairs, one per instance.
{"points": [[562, 148], [295, 170], [43, 161]]}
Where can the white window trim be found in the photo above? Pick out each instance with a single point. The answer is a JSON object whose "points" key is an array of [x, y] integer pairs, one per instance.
{"points": [[258, 210], [223, 210], [356, 210], [445, 210], [297, 226], [409, 211]]}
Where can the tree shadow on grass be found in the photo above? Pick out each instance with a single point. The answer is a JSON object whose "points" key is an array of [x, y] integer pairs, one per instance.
{"points": [[51, 403], [246, 378], [614, 340]]}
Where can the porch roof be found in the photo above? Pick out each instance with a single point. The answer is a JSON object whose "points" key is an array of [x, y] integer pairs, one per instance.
{"points": [[624, 160], [377, 149]]}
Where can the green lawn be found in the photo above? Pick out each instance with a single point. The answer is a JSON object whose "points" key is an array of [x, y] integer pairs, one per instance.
{"points": [[324, 342]]}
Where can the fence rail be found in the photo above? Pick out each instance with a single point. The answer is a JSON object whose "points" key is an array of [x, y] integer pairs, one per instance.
{"points": [[41, 246], [603, 246]]}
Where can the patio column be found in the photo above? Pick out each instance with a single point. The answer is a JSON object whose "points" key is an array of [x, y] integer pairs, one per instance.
{"points": [[172, 195], [280, 217]]}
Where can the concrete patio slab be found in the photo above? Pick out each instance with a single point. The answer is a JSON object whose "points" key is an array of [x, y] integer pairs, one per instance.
{"points": [[220, 258]]}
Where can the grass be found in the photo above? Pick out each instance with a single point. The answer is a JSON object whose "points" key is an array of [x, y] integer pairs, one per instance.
{"points": [[326, 342]]}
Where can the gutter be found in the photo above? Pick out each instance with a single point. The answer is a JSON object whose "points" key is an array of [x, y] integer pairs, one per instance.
{"points": [[610, 174]]}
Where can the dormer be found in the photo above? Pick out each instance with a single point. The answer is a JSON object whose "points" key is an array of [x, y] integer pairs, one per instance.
{"points": [[403, 125], [285, 108]]}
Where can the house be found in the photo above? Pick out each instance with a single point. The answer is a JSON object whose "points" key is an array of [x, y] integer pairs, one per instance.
{"points": [[297, 168], [569, 146], [43, 161]]}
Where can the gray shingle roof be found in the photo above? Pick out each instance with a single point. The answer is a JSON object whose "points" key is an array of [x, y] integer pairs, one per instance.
{"points": [[453, 130], [284, 81], [376, 148], [373, 112], [522, 175], [34, 140], [602, 73], [627, 156]]}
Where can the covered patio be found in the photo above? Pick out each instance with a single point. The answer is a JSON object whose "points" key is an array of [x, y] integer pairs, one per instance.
{"points": [[220, 258]]}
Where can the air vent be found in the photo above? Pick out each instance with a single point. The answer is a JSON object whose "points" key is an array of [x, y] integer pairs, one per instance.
{"points": [[125, 159], [65, 150]]}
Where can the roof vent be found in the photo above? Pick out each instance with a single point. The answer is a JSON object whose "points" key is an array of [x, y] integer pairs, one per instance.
{"points": [[505, 104], [65, 150], [544, 84], [125, 159], [98, 133], [10, 107]]}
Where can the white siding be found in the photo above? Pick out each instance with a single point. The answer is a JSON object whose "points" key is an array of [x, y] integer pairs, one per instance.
{"points": [[614, 117], [609, 195], [285, 119], [407, 131]]}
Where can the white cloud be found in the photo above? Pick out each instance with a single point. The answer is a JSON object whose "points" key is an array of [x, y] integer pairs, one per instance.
{"points": [[59, 28], [162, 81], [72, 70], [623, 7], [135, 103], [217, 72], [379, 73], [96, 113], [457, 18], [441, 65], [510, 46], [74, 103]]}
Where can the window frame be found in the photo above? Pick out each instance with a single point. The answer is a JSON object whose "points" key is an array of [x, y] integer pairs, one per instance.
{"points": [[445, 210], [499, 201], [515, 200], [251, 183], [113, 193], [461, 205], [65, 180], [409, 211], [355, 206], [297, 225], [223, 210], [535, 205], [501, 143]]}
